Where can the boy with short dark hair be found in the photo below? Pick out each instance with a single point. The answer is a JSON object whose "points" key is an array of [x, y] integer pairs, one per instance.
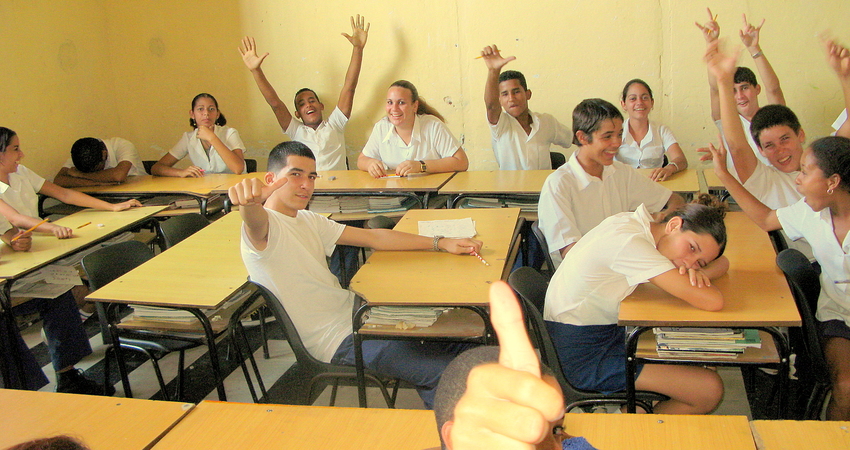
{"points": [[521, 138], [96, 162]]}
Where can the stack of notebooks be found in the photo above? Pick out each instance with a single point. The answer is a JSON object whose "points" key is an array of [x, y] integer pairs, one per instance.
{"points": [[499, 203], [714, 343], [404, 317], [360, 204], [380, 205], [324, 204]]}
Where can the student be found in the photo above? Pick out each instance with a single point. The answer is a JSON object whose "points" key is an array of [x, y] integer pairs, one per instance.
{"points": [[746, 88], [96, 162], [521, 138], [212, 146], [591, 185], [822, 217], [412, 138], [66, 339], [326, 138], [284, 248], [679, 254], [645, 143]]}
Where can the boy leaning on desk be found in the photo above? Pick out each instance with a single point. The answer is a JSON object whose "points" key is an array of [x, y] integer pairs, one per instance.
{"points": [[284, 248]]}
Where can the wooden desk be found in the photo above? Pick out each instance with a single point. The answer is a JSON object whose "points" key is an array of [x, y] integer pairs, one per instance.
{"points": [[661, 432], [519, 184], [685, 181], [102, 423], [200, 273], [216, 425], [795, 435], [755, 294], [712, 182]]}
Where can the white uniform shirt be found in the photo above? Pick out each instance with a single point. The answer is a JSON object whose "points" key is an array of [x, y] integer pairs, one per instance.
{"points": [[516, 150], [731, 165], [649, 152], [190, 145], [294, 268], [774, 188], [799, 221], [21, 194], [430, 140], [839, 121], [603, 268], [118, 150], [572, 202], [327, 141]]}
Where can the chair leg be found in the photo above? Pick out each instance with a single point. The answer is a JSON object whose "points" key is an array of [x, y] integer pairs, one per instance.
{"points": [[263, 332], [159, 378], [106, 382], [334, 391], [253, 362], [180, 375], [238, 354]]}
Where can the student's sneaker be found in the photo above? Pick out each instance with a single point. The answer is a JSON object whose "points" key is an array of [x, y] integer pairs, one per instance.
{"points": [[74, 382]]}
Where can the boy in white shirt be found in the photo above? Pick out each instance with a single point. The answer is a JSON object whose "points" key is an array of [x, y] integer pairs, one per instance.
{"points": [[96, 162]]}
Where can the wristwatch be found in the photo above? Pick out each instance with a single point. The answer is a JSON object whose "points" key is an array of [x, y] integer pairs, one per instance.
{"points": [[423, 167]]}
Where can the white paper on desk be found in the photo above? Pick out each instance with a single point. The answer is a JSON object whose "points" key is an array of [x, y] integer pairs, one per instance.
{"points": [[455, 228], [56, 274]]}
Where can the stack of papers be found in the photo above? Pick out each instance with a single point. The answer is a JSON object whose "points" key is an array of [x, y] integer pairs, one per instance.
{"points": [[324, 204], [355, 204], [456, 228], [379, 205], [724, 343], [406, 316], [524, 205]]}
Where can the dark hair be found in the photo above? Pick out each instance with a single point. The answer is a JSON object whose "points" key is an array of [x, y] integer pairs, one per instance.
{"points": [[221, 121], [832, 155], [630, 83], [513, 75], [278, 157], [52, 443], [424, 108], [295, 99], [588, 114], [6, 136], [703, 216], [771, 116], [87, 154], [745, 75]]}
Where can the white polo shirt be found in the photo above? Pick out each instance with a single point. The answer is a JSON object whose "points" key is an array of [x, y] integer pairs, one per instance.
{"points": [[572, 202], [211, 162], [799, 221], [327, 141], [773, 187], [516, 150], [729, 163], [118, 150], [603, 268], [430, 140], [21, 194], [649, 152]]}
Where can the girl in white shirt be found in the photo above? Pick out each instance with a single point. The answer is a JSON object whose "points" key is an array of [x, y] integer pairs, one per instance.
{"points": [[822, 217], [212, 146], [412, 138], [645, 143]]}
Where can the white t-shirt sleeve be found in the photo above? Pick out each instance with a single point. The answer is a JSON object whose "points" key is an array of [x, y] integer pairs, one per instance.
{"points": [[125, 151], [329, 231], [444, 142], [638, 260], [337, 120], [791, 219], [69, 163], [181, 149], [557, 219], [667, 138], [233, 141], [501, 126], [372, 148], [563, 134]]}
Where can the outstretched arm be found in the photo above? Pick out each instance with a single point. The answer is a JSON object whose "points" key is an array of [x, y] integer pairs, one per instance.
{"points": [[711, 32], [838, 58], [72, 197], [248, 50], [494, 61], [750, 37], [359, 35], [249, 195], [71, 177], [380, 239]]}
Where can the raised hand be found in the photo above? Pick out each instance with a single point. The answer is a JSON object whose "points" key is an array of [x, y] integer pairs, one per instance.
{"points": [[721, 65], [750, 34], [711, 29], [252, 191], [248, 50], [359, 32], [837, 57], [493, 58]]}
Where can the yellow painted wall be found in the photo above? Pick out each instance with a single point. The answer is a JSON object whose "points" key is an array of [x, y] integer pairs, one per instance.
{"points": [[139, 63]]}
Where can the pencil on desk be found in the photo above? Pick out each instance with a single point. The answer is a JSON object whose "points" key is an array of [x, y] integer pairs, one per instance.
{"points": [[480, 258], [87, 223], [29, 230]]}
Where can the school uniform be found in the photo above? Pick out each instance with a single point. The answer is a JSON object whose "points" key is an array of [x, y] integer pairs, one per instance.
{"points": [[516, 150], [731, 164], [293, 266], [430, 140], [839, 121], [327, 141], [584, 295], [189, 144], [118, 150], [572, 202], [774, 188], [649, 152]]}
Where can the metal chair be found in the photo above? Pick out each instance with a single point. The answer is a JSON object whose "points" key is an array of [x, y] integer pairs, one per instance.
{"points": [[558, 159], [544, 247], [148, 164], [805, 287], [177, 228], [250, 165], [530, 286]]}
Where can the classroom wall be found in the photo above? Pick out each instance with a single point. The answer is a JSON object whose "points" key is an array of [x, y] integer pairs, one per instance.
{"points": [[137, 64]]}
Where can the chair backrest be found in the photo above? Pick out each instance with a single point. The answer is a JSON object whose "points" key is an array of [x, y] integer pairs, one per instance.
{"points": [[250, 165], [558, 159], [380, 222], [104, 265], [180, 227], [778, 240], [804, 282], [148, 164], [544, 247]]}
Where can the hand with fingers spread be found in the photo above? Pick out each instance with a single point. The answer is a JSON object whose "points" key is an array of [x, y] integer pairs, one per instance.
{"points": [[252, 191], [507, 405], [721, 65], [493, 58], [359, 31], [711, 29], [838, 58], [750, 35], [248, 50]]}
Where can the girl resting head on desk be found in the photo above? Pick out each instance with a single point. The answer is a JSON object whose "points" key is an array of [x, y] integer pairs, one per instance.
{"points": [[19, 197], [822, 217], [680, 254], [411, 139], [212, 146], [644, 142]]}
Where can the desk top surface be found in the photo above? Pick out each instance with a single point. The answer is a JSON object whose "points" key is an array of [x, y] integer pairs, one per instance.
{"points": [[201, 271], [497, 182], [795, 435], [661, 432], [358, 181], [46, 248], [429, 278], [216, 425], [711, 179], [684, 181], [148, 184], [102, 423], [754, 290]]}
